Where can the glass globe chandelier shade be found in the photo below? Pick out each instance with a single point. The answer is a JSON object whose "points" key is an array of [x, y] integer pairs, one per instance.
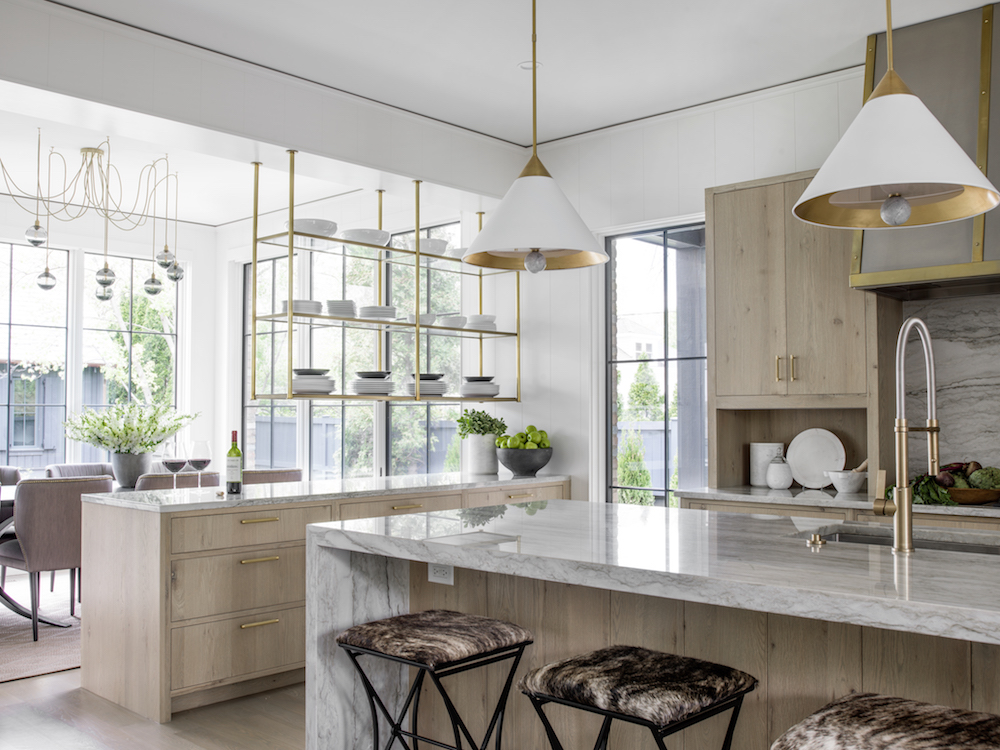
{"points": [[165, 258], [535, 215], [105, 276], [36, 234], [895, 166], [104, 293], [153, 286], [175, 272], [46, 280]]}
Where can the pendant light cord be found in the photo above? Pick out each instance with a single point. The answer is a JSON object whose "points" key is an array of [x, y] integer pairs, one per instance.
{"points": [[534, 85], [888, 31]]}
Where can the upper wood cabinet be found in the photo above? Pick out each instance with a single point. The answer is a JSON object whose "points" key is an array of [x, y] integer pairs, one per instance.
{"points": [[785, 321]]}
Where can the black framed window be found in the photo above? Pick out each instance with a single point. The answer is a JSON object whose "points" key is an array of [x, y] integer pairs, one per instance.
{"points": [[656, 368]]}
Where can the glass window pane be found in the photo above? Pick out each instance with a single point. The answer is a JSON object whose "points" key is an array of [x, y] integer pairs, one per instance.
{"points": [[36, 435], [113, 314], [105, 367], [686, 300], [445, 448], [256, 444], [39, 351], [687, 441], [359, 441], [326, 434], [30, 303], [153, 359], [637, 296], [5, 255], [407, 439]]}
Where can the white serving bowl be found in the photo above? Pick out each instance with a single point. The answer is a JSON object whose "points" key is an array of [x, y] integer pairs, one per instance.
{"points": [[322, 227], [432, 246], [368, 236], [426, 319], [847, 481], [452, 321], [482, 318]]}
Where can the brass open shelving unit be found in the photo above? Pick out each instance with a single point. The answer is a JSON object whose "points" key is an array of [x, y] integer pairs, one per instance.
{"points": [[385, 257]]}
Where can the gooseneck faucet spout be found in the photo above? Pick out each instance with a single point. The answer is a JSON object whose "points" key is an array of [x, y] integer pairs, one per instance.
{"points": [[901, 506]]}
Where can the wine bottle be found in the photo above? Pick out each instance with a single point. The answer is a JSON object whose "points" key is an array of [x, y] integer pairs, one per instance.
{"points": [[234, 469]]}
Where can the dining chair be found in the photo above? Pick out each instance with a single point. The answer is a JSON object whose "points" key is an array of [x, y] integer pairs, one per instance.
{"points": [[266, 476], [9, 475], [184, 479], [79, 470], [47, 514]]}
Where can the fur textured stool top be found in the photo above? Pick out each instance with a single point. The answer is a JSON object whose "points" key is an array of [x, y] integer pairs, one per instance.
{"points": [[434, 637], [879, 722], [650, 685]]}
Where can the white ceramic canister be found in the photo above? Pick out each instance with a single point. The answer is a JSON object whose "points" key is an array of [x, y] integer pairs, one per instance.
{"points": [[760, 456], [779, 474]]}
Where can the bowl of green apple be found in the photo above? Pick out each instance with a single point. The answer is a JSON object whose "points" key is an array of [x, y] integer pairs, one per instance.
{"points": [[525, 452]]}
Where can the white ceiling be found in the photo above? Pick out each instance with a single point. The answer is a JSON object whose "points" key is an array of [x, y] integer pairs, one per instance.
{"points": [[603, 61]]}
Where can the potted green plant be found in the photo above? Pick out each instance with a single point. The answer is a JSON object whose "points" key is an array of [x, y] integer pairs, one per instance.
{"points": [[479, 430], [130, 432]]}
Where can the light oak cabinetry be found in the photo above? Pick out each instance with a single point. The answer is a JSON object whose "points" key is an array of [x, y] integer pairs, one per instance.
{"points": [[186, 608], [791, 345]]}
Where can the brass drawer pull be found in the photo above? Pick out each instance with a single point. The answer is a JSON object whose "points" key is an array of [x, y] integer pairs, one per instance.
{"points": [[259, 520], [408, 507], [518, 497], [259, 559], [258, 624], [791, 361], [777, 369]]}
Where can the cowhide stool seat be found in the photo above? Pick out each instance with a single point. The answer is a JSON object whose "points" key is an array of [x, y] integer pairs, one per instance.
{"points": [[663, 692], [880, 722], [437, 643]]}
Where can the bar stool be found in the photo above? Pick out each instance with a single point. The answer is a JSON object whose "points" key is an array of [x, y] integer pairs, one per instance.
{"points": [[662, 692], [881, 722], [438, 643]]}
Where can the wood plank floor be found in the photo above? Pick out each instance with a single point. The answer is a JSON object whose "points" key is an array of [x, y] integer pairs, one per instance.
{"points": [[52, 711]]}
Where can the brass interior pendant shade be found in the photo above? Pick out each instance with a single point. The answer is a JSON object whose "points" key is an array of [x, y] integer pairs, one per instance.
{"points": [[895, 166], [535, 226]]}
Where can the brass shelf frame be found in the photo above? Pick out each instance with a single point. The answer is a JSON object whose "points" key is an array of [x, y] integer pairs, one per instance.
{"points": [[384, 257]]}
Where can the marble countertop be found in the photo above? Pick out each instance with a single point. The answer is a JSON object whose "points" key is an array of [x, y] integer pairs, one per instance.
{"points": [[174, 501], [828, 498], [733, 560]]}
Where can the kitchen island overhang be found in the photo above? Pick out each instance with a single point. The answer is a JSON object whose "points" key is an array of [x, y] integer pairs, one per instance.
{"points": [[358, 571]]}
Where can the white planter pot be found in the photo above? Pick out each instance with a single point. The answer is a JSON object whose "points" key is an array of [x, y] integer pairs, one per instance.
{"points": [[481, 454]]}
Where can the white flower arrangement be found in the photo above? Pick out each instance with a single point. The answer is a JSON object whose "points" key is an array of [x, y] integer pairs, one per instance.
{"points": [[126, 428]]}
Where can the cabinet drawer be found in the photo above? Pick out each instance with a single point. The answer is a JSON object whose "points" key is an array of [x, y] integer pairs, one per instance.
{"points": [[479, 498], [934, 519], [264, 526], [215, 651], [398, 505], [203, 586], [801, 511]]}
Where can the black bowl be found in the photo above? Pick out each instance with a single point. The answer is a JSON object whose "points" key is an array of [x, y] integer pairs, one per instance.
{"points": [[373, 374], [479, 378], [524, 462], [429, 375]]}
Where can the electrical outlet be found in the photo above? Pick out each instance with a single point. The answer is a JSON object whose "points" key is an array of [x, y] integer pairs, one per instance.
{"points": [[438, 573]]}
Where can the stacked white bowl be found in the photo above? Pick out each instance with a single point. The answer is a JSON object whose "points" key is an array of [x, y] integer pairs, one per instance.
{"points": [[312, 381], [377, 312], [479, 386], [373, 383], [305, 306], [482, 322], [341, 308]]}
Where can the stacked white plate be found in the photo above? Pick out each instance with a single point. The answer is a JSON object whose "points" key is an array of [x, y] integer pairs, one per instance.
{"points": [[427, 388], [307, 306], [313, 384], [482, 322], [341, 308], [479, 390], [377, 311], [373, 386]]}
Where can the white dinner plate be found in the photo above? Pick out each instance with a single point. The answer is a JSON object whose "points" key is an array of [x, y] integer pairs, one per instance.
{"points": [[813, 452]]}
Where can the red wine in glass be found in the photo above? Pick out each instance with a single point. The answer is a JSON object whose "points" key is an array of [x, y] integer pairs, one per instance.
{"points": [[199, 464], [200, 457], [173, 465]]}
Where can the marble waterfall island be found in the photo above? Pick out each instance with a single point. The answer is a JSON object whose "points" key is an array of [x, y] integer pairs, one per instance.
{"points": [[745, 591]]}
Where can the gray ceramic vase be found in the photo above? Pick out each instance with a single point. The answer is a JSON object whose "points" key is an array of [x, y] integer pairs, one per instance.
{"points": [[128, 467]]}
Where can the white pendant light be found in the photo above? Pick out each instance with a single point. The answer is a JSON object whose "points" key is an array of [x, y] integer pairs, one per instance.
{"points": [[895, 166], [535, 226]]}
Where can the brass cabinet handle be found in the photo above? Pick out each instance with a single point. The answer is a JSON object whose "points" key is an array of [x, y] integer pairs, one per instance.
{"points": [[518, 497], [777, 369], [259, 559], [258, 624], [791, 362], [259, 520], [408, 507]]}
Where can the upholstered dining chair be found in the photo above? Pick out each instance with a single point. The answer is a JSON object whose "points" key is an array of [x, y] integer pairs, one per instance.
{"points": [[184, 479], [47, 515], [79, 470], [9, 475], [267, 476]]}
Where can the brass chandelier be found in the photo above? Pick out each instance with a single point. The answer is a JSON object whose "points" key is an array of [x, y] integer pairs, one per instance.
{"points": [[97, 187]]}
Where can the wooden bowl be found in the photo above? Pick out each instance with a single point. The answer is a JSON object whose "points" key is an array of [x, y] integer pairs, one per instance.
{"points": [[974, 497]]}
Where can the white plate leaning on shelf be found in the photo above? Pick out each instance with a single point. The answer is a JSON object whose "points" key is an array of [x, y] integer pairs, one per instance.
{"points": [[813, 452]]}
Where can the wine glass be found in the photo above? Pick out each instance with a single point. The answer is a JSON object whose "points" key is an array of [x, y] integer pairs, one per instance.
{"points": [[200, 456], [173, 459]]}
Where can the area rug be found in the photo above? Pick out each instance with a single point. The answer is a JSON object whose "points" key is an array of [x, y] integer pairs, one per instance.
{"points": [[57, 649]]}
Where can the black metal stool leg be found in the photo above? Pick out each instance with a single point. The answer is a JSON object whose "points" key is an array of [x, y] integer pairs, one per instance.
{"points": [[602, 737], [415, 713], [549, 731], [728, 743]]}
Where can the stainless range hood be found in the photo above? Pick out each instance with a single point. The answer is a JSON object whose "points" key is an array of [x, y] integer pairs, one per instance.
{"points": [[949, 63]]}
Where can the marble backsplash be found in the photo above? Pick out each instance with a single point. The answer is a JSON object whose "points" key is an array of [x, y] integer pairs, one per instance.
{"points": [[965, 334]]}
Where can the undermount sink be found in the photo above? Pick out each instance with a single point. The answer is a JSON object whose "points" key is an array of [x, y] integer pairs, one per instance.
{"points": [[886, 541]]}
